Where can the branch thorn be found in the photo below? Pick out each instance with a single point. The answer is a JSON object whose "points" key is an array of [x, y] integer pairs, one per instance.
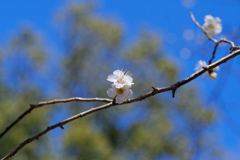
{"points": [[173, 92], [154, 88], [114, 100]]}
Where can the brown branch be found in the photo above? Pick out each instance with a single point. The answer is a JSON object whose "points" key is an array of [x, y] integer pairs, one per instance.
{"points": [[71, 100], [233, 48], [33, 106], [140, 98]]}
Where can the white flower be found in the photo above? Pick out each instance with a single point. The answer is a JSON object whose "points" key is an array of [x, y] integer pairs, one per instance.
{"points": [[120, 93], [120, 78], [210, 73], [200, 65], [212, 26]]}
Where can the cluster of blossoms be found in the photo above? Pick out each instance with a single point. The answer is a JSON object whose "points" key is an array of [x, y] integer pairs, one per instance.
{"points": [[213, 27], [211, 73], [122, 82]]}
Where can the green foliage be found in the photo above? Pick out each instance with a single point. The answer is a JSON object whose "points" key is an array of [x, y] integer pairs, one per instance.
{"points": [[90, 144], [169, 71], [27, 44], [147, 46]]}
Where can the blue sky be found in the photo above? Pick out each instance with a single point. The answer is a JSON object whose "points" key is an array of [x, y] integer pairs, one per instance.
{"points": [[182, 40]]}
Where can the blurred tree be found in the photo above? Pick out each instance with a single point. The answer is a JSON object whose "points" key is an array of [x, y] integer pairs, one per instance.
{"points": [[21, 63], [157, 128], [144, 130]]}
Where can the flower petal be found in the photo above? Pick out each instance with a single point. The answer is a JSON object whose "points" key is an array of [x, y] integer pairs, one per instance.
{"points": [[128, 79], [114, 86], [118, 85], [200, 65], [120, 99], [111, 92], [126, 86], [213, 75], [218, 20], [216, 68], [118, 73], [112, 78], [208, 18], [128, 93], [205, 74]]}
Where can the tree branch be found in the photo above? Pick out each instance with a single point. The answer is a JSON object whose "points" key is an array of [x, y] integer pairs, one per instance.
{"points": [[33, 106], [233, 47], [71, 100], [140, 98]]}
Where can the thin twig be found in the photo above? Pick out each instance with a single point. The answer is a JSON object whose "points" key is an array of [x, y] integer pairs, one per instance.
{"points": [[33, 106], [213, 54], [140, 98], [233, 48], [71, 100]]}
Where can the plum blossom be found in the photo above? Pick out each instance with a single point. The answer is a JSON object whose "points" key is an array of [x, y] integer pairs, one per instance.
{"points": [[211, 73], [120, 78], [120, 94], [200, 65], [212, 26]]}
